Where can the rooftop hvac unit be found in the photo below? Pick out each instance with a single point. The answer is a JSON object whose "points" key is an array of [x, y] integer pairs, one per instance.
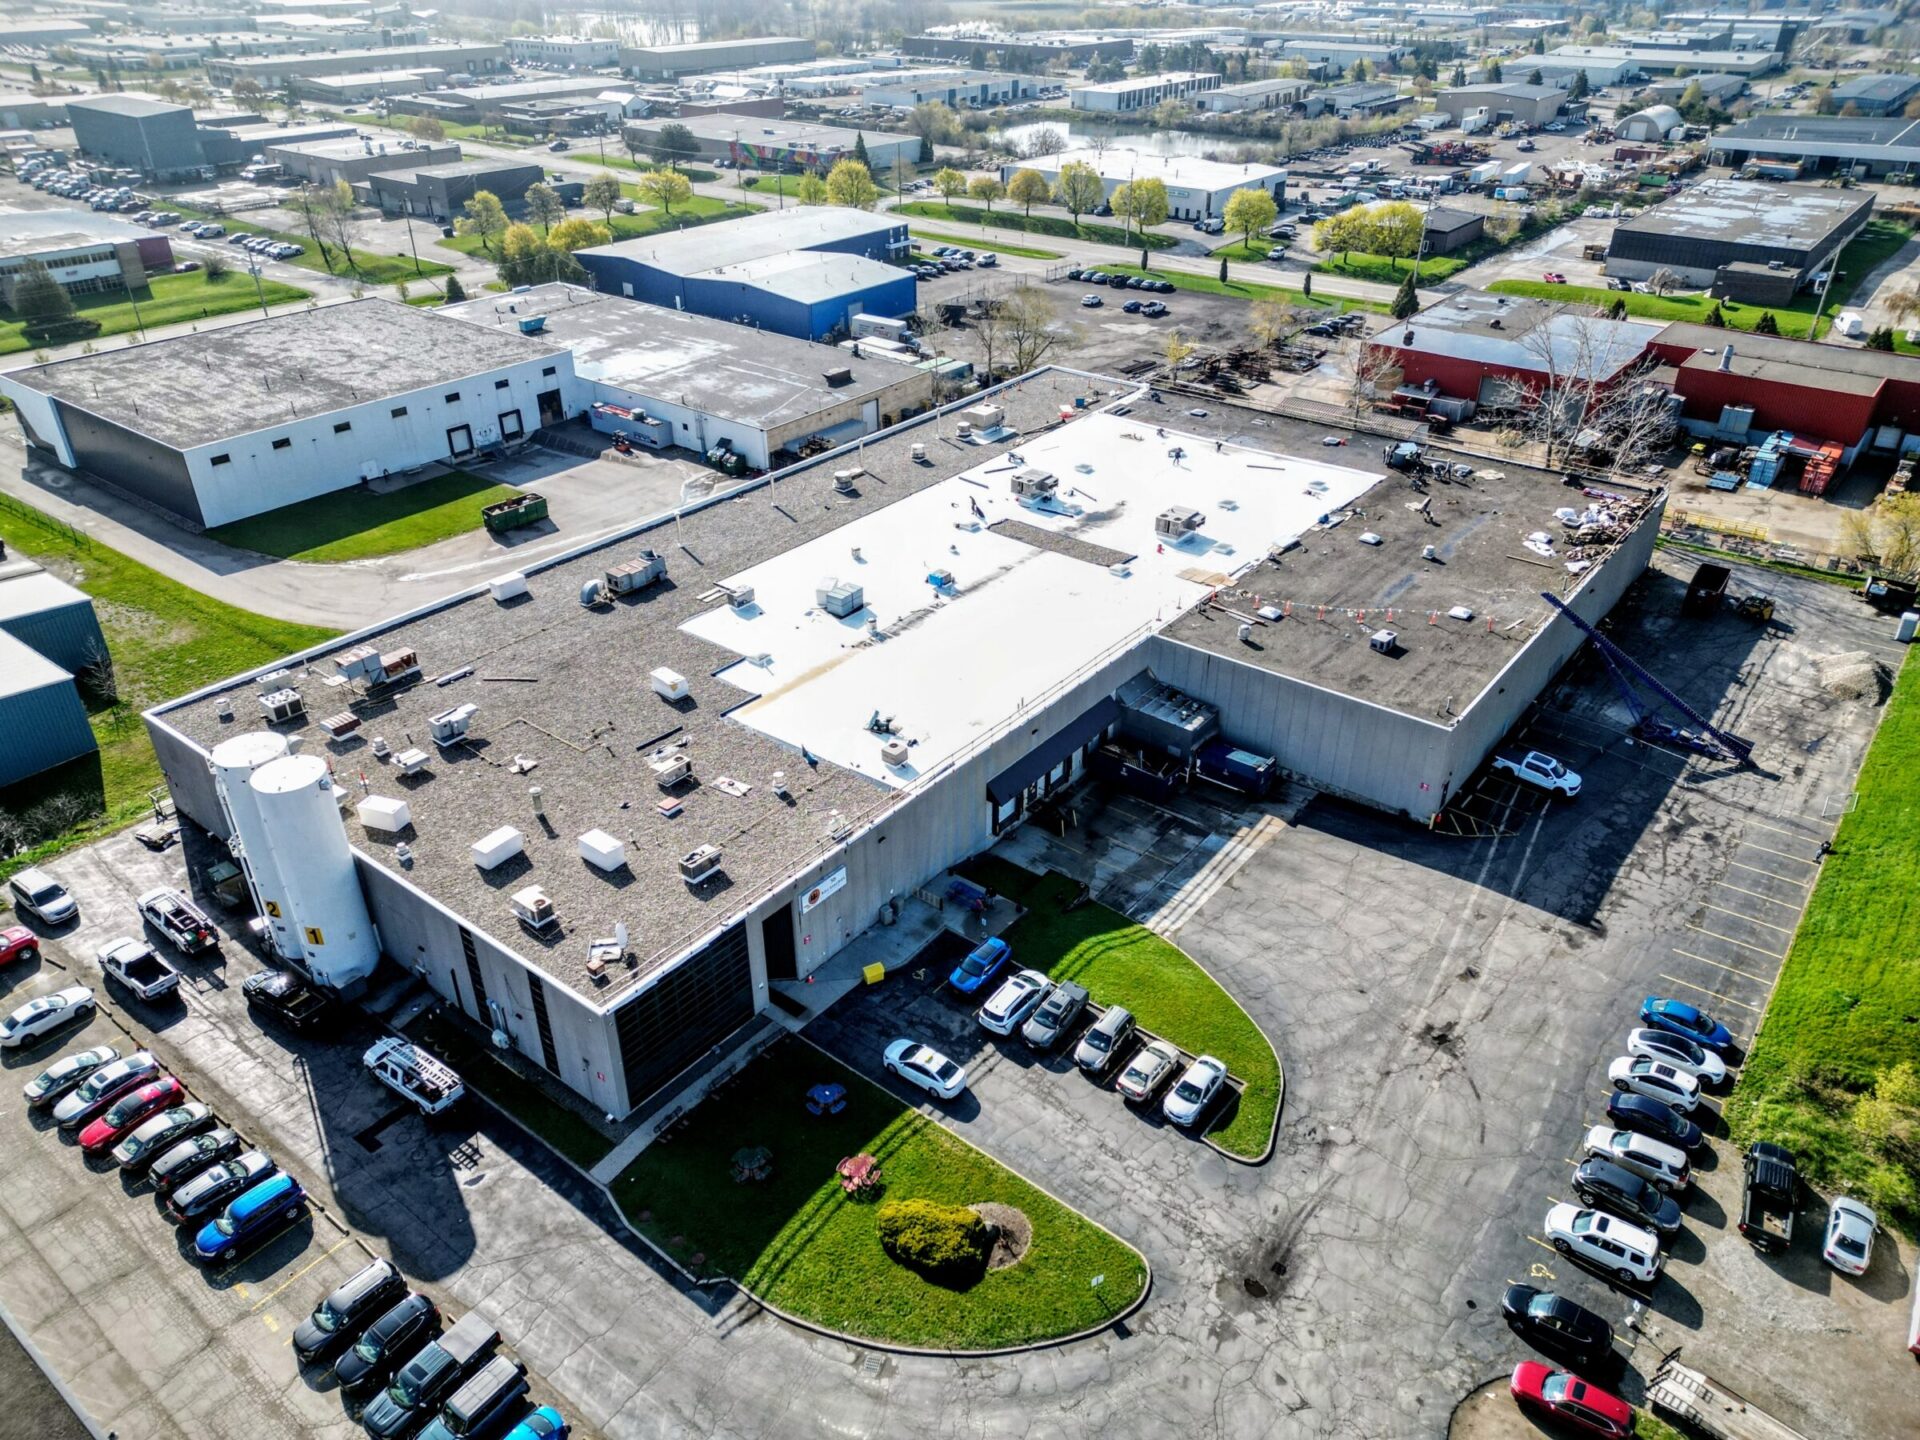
{"points": [[283, 705], [603, 851], [669, 684], [840, 598], [345, 723], [1032, 484], [738, 596], [838, 376], [412, 761], [843, 482], [362, 662], [941, 579], [670, 767], [697, 864], [1383, 642], [534, 908], [450, 727], [985, 417], [1176, 524], [895, 752], [510, 586], [637, 573], [389, 817], [280, 679], [497, 847], [398, 664]]}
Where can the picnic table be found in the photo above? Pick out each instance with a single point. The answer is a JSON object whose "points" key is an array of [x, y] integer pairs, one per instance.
{"points": [[827, 1099]]}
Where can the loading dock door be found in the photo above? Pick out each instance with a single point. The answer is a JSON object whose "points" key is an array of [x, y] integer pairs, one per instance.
{"points": [[776, 935], [459, 440], [552, 412]]}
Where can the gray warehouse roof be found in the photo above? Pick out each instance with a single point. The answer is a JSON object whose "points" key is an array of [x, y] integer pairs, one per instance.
{"points": [[728, 371], [1821, 130], [456, 170], [24, 669], [34, 232], [197, 389], [138, 106], [1887, 89], [1738, 212], [751, 237], [26, 589]]}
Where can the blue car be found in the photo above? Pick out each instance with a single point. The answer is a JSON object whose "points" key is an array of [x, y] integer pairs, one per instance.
{"points": [[543, 1424], [980, 966], [1627, 1111], [1679, 1018], [265, 1210]]}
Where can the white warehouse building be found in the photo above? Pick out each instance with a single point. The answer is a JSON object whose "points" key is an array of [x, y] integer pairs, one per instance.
{"points": [[218, 426], [1196, 189], [1143, 92]]}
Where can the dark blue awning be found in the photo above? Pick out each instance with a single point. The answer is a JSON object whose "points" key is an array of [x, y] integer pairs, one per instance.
{"points": [[1051, 751]]}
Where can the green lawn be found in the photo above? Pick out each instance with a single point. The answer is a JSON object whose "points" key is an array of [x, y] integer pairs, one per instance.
{"points": [[1842, 1014], [1001, 247], [1388, 271], [700, 210], [355, 525], [463, 1046], [165, 640], [801, 1245], [368, 266], [1246, 289], [1060, 225], [165, 300], [491, 134], [1122, 963]]}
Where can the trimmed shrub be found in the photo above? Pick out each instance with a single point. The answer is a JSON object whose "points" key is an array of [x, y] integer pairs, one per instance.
{"points": [[946, 1244]]}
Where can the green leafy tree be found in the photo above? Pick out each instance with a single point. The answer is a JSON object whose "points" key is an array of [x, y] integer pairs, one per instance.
{"points": [[1028, 188], [1493, 73], [811, 190], [602, 193], [1142, 202], [664, 189], [577, 234], [673, 144], [1766, 324], [420, 127], [1536, 77], [455, 292], [950, 183], [37, 298], [860, 150], [1881, 339], [1459, 76], [543, 204], [986, 189], [1079, 189], [1406, 300], [1715, 318], [850, 184], [483, 215], [1249, 212], [1580, 88]]}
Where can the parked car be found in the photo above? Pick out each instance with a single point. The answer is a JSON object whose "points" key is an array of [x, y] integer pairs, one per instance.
{"points": [[103, 1087], [250, 1221], [1653, 1117], [38, 894], [1153, 309], [1657, 1079], [420, 1385], [349, 1308], [1057, 1014], [1133, 307], [1654, 1161], [1104, 1041], [483, 1399], [217, 1184], [924, 1067], [18, 946], [1687, 1021], [181, 1162], [983, 962], [65, 1073], [1558, 1327], [286, 997], [1606, 1186], [1554, 277], [152, 1138], [1607, 1242], [545, 1423], [392, 1338], [1194, 1092], [1571, 1400], [1679, 1052], [1850, 1231], [1017, 998], [1769, 1196], [38, 1018], [131, 1110], [1150, 1069], [1541, 771], [1091, 302]]}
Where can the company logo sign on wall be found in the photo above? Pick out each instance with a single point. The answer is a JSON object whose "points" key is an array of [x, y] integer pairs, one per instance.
{"points": [[829, 885]]}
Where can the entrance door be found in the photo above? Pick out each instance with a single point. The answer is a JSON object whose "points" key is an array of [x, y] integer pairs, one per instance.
{"points": [[459, 440], [776, 934], [551, 411]]}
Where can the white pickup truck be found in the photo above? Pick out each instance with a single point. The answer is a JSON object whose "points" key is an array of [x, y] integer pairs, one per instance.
{"points": [[1541, 770], [185, 924], [402, 1066], [135, 965]]}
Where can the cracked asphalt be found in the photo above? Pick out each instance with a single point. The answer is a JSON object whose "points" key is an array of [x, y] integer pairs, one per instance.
{"points": [[1445, 1009]]}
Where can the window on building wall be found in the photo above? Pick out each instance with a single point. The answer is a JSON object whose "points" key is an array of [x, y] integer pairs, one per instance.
{"points": [[282, 443], [550, 370], [220, 460], [399, 411], [343, 427], [453, 399], [499, 384]]}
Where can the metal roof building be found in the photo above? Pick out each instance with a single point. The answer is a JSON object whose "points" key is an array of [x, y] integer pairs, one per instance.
{"points": [[1476, 346], [1877, 94], [1823, 144], [44, 611], [42, 720], [1786, 231]]}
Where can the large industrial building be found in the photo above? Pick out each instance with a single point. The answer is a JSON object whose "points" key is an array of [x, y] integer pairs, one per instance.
{"points": [[710, 777], [276, 72], [1521, 103], [957, 89], [148, 134], [1823, 144], [1747, 240], [218, 426], [671, 62], [440, 192], [1142, 92], [1196, 189], [667, 378], [1877, 94], [574, 51], [759, 143], [1610, 64], [1254, 95], [355, 158], [803, 272], [86, 251], [49, 636]]}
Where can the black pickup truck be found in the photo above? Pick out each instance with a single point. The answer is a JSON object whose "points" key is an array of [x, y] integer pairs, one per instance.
{"points": [[1769, 1197]]}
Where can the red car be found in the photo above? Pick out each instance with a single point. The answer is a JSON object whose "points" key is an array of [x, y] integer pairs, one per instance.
{"points": [[129, 1111], [1585, 1408], [17, 943], [1554, 277]]}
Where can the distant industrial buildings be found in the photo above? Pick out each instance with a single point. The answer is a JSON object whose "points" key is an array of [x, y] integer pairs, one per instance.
{"points": [[276, 72], [1715, 89], [1611, 64], [440, 192], [1126, 97], [1342, 54], [672, 62], [1877, 95], [1196, 189], [1521, 103], [1823, 145], [799, 272], [156, 137], [1254, 95], [957, 89], [759, 143], [1748, 241], [230, 423], [1029, 51], [670, 378], [87, 252], [569, 50]]}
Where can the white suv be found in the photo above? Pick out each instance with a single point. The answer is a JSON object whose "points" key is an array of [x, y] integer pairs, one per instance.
{"points": [[1017, 998], [38, 894], [1605, 1241], [1652, 1160]]}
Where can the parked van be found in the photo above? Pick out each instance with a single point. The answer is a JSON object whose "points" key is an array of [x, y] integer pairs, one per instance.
{"points": [[265, 1210], [479, 1403]]}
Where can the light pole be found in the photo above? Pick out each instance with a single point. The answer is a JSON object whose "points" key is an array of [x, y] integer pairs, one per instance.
{"points": [[414, 246], [253, 269]]}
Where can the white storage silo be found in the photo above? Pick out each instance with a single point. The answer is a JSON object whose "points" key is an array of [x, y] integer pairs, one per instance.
{"points": [[320, 900], [233, 762]]}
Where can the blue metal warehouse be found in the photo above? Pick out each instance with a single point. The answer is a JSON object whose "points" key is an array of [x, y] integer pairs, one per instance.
{"points": [[42, 721], [802, 272], [45, 612]]}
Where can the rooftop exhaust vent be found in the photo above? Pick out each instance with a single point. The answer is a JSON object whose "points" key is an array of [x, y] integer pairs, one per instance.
{"points": [[700, 862], [533, 907], [450, 727]]}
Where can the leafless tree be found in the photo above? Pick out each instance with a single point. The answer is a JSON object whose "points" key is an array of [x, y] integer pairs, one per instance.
{"points": [[1663, 280], [1375, 369], [1592, 393], [1030, 328]]}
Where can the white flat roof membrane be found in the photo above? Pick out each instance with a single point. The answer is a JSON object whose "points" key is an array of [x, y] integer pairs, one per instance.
{"points": [[1019, 623]]}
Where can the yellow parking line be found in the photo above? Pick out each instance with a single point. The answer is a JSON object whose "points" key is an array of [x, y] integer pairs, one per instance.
{"points": [[272, 1324], [301, 1271], [1541, 1243], [1723, 999], [1738, 915], [1762, 825], [1799, 859], [240, 1288], [1718, 965], [1771, 955], [1783, 879], [1785, 904]]}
